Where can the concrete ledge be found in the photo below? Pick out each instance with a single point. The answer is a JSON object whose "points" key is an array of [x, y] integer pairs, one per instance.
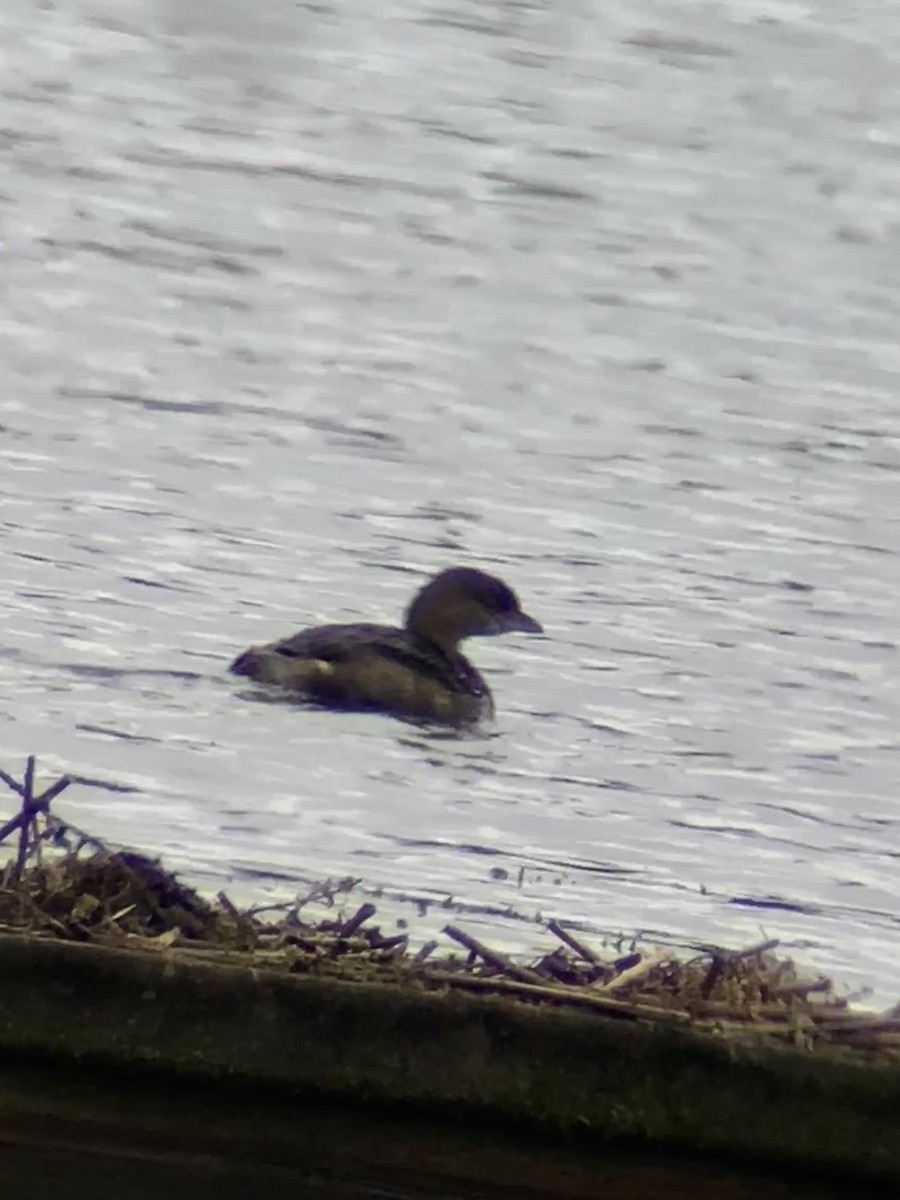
{"points": [[551, 1071]]}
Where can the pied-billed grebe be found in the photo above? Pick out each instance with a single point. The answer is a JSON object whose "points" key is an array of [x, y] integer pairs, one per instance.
{"points": [[416, 672]]}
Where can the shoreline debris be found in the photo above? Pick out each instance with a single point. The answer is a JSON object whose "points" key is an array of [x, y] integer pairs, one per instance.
{"points": [[68, 884]]}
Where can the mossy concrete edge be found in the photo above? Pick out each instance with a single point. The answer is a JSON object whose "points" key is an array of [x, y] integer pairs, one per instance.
{"points": [[554, 1070]]}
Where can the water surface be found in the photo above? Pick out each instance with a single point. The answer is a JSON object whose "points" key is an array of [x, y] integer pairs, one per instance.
{"points": [[304, 302]]}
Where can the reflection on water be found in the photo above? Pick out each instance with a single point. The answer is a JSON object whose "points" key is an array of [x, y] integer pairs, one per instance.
{"points": [[303, 304]]}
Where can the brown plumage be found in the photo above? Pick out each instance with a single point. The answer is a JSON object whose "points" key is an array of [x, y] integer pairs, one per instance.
{"points": [[416, 672]]}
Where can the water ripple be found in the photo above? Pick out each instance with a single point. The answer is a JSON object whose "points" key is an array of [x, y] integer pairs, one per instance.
{"points": [[298, 310]]}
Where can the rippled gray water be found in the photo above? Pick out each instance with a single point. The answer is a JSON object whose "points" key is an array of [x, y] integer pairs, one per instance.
{"points": [[304, 302]]}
